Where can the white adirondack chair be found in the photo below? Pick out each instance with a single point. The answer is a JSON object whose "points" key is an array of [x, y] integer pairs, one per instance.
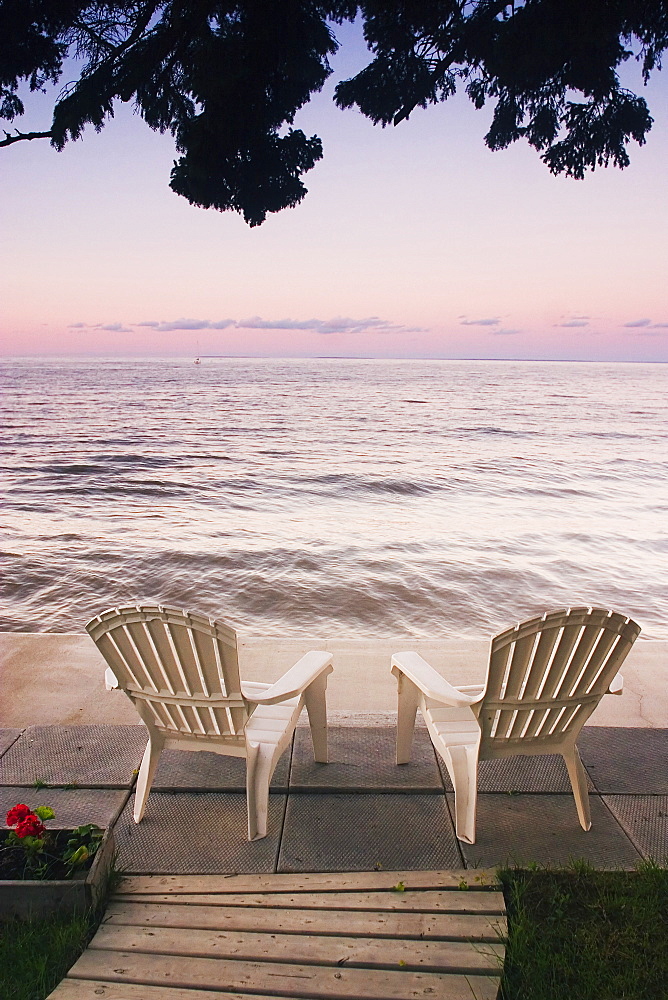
{"points": [[181, 672], [544, 679]]}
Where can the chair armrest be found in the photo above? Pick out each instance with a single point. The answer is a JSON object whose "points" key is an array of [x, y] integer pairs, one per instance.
{"points": [[430, 682], [616, 685], [295, 681], [110, 680], [473, 689]]}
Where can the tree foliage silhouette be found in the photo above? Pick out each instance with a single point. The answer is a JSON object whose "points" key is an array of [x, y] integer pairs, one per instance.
{"points": [[227, 79]]}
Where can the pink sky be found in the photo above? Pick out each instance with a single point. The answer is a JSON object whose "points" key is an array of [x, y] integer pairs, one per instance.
{"points": [[412, 242]]}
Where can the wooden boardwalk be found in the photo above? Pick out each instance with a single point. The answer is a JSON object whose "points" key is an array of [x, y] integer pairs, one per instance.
{"points": [[357, 936]]}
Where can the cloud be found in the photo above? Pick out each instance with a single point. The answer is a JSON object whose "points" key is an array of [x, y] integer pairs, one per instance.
{"points": [[652, 331], [187, 324], [573, 323], [503, 332], [113, 327], [645, 327], [638, 322], [257, 323], [491, 321], [183, 324], [338, 324]]}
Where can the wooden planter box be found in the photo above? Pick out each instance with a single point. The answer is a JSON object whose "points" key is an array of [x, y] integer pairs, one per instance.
{"points": [[40, 898]]}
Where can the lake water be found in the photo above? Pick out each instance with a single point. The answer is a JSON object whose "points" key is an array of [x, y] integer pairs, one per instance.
{"points": [[334, 497]]}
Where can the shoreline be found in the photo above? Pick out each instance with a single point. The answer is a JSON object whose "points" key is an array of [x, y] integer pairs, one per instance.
{"points": [[50, 678]]}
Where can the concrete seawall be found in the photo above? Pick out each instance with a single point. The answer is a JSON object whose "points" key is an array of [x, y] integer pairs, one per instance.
{"points": [[58, 678]]}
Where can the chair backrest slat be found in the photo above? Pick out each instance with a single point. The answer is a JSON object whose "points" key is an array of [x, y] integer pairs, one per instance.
{"points": [[129, 659], [164, 640], [546, 675], [515, 674], [588, 641], [180, 669]]}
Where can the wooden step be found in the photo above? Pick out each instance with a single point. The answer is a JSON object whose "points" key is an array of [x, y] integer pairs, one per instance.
{"points": [[349, 936], [423, 926], [432, 901], [472, 878], [361, 952]]}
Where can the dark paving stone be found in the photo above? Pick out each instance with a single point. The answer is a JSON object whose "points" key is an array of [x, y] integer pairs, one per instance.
{"points": [[645, 820], [364, 759], [332, 833], [543, 773], [186, 833], [205, 772], [72, 807], [90, 756], [7, 737], [626, 760], [520, 829]]}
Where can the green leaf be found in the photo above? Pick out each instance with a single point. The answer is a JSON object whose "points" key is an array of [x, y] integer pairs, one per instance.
{"points": [[77, 857], [399, 887], [44, 812]]}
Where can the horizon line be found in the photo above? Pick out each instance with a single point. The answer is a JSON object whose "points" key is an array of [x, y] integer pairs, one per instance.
{"points": [[321, 357]]}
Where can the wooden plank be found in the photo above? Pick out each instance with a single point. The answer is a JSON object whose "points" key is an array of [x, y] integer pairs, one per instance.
{"points": [[299, 981], [329, 882], [307, 949], [424, 901], [95, 989], [443, 926]]}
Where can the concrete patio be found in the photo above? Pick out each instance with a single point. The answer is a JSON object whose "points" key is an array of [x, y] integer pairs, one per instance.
{"points": [[360, 812]]}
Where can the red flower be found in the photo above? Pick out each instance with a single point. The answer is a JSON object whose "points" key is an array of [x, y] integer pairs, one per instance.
{"points": [[17, 813], [30, 826]]}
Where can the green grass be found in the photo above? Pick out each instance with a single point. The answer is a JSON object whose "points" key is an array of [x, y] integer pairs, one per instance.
{"points": [[36, 955], [581, 934]]}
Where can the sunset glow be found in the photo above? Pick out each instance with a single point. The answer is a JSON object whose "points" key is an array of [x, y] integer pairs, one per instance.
{"points": [[412, 242]]}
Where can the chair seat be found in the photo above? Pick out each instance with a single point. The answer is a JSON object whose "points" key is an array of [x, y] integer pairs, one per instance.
{"points": [[451, 726], [268, 723]]}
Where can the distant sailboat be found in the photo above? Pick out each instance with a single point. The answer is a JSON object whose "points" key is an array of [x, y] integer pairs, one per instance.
{"points": [[197, 359]]}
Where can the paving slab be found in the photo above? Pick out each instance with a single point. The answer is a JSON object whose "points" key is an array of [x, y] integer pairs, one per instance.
{"points": [[353, 832], [90, 756], [621, 760], [543, 773], [208, 772], [73, 807], [362, 760], [7, 737], [645, 820], [521, 829], [196, 833]]}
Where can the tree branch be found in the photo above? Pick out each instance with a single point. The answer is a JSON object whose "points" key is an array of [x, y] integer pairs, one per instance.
{"points": [[23, 135]]}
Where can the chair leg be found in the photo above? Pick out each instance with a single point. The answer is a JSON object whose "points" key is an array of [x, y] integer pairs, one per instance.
{"points": [[146, 775], [407, 703], [316, 706], [578, 776], [259, 769], [463, 770]]}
